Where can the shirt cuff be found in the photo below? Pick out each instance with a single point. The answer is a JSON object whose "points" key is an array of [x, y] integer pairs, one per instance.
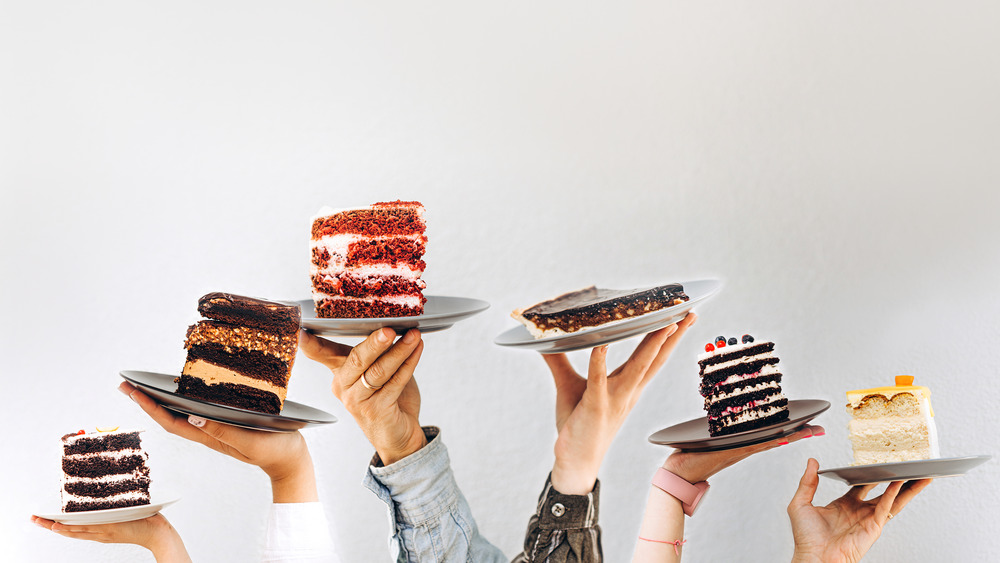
{"points": [[298, 532], [557, 511], [419, 487]]}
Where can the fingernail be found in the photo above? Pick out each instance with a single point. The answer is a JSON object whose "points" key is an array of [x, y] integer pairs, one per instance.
{"points": [[132, 396], [820, 433], [196, 421], [411, 337], [382, 337], [783, 443]]}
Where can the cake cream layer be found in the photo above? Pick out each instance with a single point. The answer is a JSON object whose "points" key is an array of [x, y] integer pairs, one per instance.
{"points": [[98, 464], [380, 219], [721, 427], [396, 300], [745, 402], [251, 364], [722, 384], [348, 285], [337, 307], [752, 413], [736, 355], [746, 390], [232, 394], [353, 250], [72, 503], [107, 485], [213, 374]]}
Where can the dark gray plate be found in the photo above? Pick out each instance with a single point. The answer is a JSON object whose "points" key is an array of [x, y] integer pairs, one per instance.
{"points": [[161, 387], [693, 435], [439, 313], [905, 470], [519, 337]]}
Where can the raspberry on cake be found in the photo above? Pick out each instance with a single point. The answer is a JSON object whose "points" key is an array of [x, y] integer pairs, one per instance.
{"points": [[366, 261], [243, 355], [593, 307], [892, 424], [103, 469], [741, 384]]}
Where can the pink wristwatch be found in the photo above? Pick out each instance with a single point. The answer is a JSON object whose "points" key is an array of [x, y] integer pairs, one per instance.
{"points": [[689, 494]]}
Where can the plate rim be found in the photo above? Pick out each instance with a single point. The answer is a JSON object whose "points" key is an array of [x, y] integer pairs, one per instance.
{"points": [[699, 447], [293, 419], [110, 511], [984, 457]]}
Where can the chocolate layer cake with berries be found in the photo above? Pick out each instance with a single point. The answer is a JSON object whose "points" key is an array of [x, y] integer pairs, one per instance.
{"points": [[741, 384], [242, 355], [366, 261], [593, 307], [103, 469]]}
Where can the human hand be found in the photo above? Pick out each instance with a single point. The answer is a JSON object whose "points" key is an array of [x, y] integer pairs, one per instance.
{"points": [[284, 456], [695, 467], [154, 533], [844, 530], [589, 411], [387, 414]]}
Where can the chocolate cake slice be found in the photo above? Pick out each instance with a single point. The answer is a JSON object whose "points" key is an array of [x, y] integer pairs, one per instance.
{"points": [[593, 307], [103, 470], [243, 355]]}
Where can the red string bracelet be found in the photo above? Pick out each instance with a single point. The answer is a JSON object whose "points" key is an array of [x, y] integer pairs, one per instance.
{"points": [[675, 543]]}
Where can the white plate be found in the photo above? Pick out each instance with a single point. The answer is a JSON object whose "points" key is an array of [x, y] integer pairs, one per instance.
{"points": [[161, 387], [905, 470], [108, 516], [519, 337], [693, 435], [439, 313]]}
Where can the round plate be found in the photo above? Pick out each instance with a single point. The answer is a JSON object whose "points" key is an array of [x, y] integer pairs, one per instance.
{"points": [[519, 337], [439, 313], [693, 436], [905, 470], [161, 387], [108, 516]]}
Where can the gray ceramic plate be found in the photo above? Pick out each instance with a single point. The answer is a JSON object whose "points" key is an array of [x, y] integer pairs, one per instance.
{"points": [[905, 470], [108, 516], [519, 337], [693, 436], [439, 313], [161, 387]]}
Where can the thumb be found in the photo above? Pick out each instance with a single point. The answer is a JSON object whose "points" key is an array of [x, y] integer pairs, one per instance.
{"points": [[330, 354], [807, 486]]}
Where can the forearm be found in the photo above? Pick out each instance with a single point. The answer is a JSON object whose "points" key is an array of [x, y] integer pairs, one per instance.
{"points": [[662, 529], [167, 545], [296, 483]]}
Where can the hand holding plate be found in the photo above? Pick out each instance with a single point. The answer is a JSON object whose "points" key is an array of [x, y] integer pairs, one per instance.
{"points": [[374, 381], [284, 456], [154, 533], [844, 530]]}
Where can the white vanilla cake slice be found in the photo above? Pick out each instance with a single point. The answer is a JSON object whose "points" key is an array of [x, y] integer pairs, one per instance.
{"points": [[892, 424]]}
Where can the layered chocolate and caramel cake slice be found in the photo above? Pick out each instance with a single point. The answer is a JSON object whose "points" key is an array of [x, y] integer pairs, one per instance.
{"points": [[593, 307], [366, 262], [243, 355], [741, 384], [103, 469]]}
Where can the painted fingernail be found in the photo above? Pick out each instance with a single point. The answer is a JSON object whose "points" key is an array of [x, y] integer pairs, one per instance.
{"points": [[411, 337], [783, 443], [820, 433], [196, 421]]}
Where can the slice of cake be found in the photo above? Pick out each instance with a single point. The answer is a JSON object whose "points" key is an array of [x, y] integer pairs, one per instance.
{"points": [[243, 355], [741, 384], [103, 470], [892, 424], [366, 261], [593, 307]]}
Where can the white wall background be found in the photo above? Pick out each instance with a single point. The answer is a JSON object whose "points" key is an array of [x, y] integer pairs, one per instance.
{"points": [[834, 162]]}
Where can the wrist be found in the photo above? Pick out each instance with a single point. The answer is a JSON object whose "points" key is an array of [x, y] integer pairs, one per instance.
{"points": [[295, 483], [570, 481], [393, 453], [164, 542], [805, 557], [684, 471]]}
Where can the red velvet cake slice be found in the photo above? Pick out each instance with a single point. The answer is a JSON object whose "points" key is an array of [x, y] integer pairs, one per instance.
{"points": [[366, 261]]}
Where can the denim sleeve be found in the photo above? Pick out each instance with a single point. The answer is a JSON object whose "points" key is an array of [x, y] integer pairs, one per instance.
{"points": [[431, 520], [563, 528]]}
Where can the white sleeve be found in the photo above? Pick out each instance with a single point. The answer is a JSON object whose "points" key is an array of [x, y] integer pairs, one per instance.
{"points": [[298, 532]]}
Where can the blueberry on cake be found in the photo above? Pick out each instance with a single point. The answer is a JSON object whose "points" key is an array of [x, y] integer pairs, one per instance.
{"points": [[741, 384]]}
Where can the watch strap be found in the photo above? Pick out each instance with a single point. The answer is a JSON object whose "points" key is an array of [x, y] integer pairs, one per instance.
{"points": [[689, 494]]}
